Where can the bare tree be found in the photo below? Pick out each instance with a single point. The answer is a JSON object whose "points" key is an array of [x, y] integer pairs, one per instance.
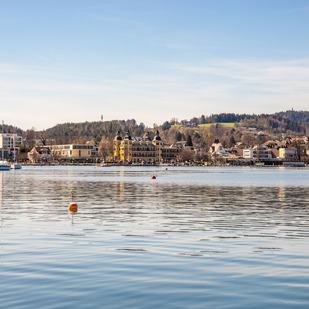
{"points": [[106, 148], [186, 155]]}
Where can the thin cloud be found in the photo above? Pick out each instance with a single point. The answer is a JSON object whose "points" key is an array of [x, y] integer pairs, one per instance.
{"points": [[219, 86], [270, 73]]}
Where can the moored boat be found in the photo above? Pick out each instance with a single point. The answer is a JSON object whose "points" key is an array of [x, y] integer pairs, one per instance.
{"points": [[15, 166], [4, 166]]}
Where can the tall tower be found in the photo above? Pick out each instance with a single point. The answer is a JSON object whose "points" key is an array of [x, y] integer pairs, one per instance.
{"points": [[159, 144], [116, 144], [126, 150]]}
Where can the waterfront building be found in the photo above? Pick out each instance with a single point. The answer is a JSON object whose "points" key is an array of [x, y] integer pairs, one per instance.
{"points": [[257, 153], [71, 151], [288, 153], [9, 144], [143, 150], [39, 154], [217, 149], [235, 153]]}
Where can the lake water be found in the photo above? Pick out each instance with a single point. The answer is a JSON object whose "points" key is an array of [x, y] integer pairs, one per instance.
{"points": [[209, 237]]}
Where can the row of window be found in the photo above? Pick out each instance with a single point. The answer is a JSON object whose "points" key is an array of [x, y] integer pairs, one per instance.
{"points": [[142, 155], [170, 150]]}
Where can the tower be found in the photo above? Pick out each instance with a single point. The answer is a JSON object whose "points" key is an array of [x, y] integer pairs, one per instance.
{"points": [[126, 148], [116, 144], [158, 145]]}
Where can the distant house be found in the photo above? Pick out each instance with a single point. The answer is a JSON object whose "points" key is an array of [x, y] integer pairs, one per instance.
{"points": [[235, 153], [39, 154], [72, 151], [217, 149], [273, 144], [288, 153], [257, 153]]}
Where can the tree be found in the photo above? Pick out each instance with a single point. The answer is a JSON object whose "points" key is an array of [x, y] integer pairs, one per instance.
{"points": [[232, 141], [186, 154], [178, 136], [106, 148], [166, 126], [189, 141]]}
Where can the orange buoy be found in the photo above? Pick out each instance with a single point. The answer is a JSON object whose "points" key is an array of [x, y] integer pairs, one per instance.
{"points": [[153, 177], [73, 207]]}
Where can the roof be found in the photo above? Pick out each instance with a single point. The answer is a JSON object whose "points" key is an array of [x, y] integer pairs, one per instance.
{"points": [[40, 149]]}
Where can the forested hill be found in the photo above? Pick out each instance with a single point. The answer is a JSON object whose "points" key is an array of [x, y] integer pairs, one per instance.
{"points": [[85, 131], [290, 122], [297, 116]]}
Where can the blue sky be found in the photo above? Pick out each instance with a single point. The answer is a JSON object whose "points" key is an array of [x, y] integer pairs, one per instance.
{"points": [[151, 60]]}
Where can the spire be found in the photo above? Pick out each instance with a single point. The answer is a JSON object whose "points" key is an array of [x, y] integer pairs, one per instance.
{"points": [[118, 137], [128, 135], [157, 136]]}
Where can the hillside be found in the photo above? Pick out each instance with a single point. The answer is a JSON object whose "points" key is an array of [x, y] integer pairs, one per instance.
{"points": [[297, 116], [85, 131], [290, 123], [283, 122]]}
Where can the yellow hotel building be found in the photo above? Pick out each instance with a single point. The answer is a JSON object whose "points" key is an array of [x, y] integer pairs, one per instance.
{"points": [[146, 151]]}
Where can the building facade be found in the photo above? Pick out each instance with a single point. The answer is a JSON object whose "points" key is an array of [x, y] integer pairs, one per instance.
{"points": [[71, 151], [39, 154], [9, 144], [217, 149], [288, 153], [143, 150], [257, 153]]}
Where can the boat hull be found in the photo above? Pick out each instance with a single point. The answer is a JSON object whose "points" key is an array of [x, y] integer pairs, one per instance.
{"points": [[5, 167]]}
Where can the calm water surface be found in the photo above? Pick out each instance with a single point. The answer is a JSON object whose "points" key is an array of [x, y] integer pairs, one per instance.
{"points": [[193, 238]]}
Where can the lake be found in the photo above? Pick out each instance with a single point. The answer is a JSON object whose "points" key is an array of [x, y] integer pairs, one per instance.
{"points": [[194, 237]]}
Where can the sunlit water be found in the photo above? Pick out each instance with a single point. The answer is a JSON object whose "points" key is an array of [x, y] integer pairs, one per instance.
{"points": [[192, 238]]}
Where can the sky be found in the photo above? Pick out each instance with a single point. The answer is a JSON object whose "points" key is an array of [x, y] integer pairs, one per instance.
{"points": [[151, 60]]}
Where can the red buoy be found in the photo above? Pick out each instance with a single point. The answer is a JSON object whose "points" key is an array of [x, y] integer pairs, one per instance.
{"points": [[153, 177], [73, 207]]}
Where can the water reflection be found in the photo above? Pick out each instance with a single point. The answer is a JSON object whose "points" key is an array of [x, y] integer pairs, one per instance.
{"points": [[1, 188], [179, 206], [181, 232]]}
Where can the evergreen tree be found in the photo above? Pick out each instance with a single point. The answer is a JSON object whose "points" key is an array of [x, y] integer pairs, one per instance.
{"points": [[189, 141], [178, 136], [232, 141]]}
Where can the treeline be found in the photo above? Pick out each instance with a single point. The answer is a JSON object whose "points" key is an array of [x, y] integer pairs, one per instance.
{"points": [[290, 123], [296, 116], [86, 131], [284, 122]]}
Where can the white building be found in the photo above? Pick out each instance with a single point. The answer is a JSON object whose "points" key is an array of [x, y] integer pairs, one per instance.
{"points": [[257, 153], [10, 144], [218, 149], [72, 151]]}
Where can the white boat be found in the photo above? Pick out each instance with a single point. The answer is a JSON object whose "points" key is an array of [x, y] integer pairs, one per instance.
{"points": [[15, 166], [4, 166]]}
